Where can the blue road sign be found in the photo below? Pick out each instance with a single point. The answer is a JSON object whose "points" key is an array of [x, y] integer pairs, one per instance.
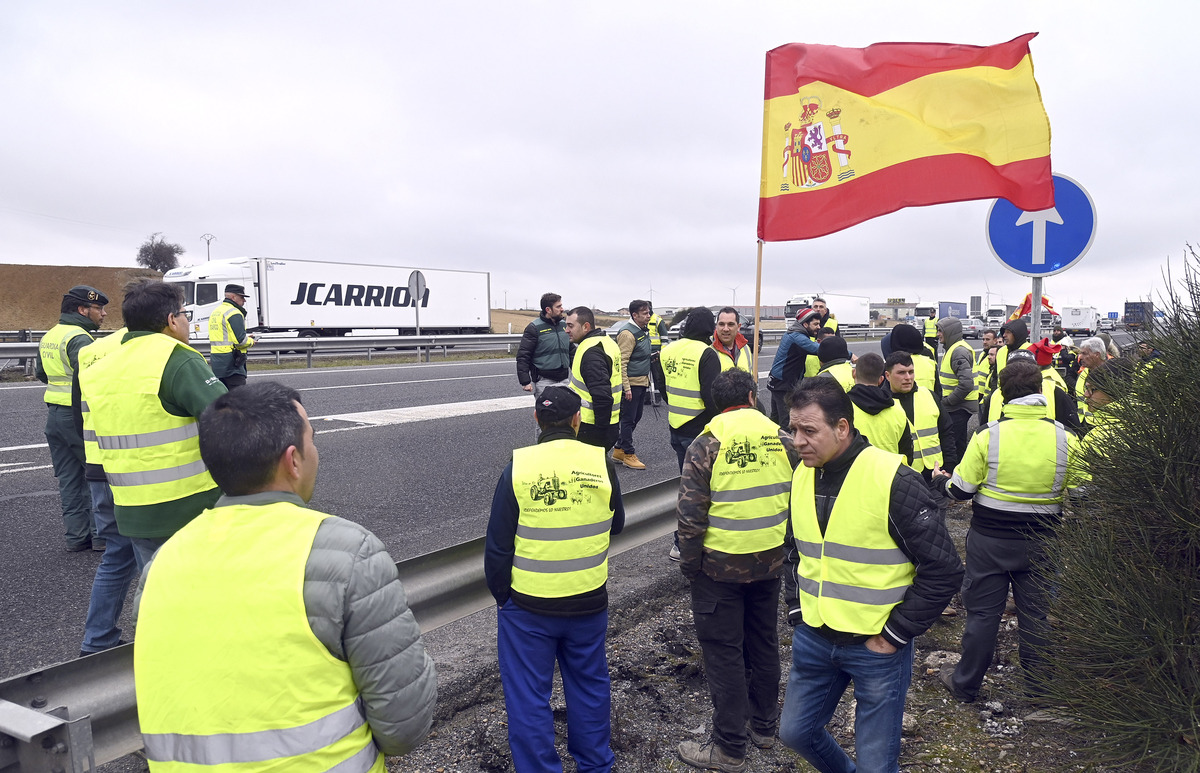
{"points": [[1048, 241], [1114, 315]]}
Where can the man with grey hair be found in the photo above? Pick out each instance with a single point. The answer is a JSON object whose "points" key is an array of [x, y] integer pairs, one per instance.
{"points": [[1092, 353]]}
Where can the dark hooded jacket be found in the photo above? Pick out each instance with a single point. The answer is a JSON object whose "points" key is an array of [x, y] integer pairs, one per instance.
{"points": [[873, 399]]}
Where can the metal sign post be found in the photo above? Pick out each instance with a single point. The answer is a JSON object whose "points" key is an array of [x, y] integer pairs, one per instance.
{"points": [[416, 291]]}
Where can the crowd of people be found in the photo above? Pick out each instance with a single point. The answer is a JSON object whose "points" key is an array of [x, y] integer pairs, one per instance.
{"points": [[828, 495]]}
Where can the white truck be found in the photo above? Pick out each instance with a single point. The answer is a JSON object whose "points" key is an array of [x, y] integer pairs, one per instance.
{"points": [[309, 298], [852, 310], [1080, 320]]}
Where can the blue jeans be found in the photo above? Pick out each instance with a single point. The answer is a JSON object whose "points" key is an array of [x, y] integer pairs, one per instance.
{"points": [[820, 674], [117, 568], [528, 645], [144, 549]]}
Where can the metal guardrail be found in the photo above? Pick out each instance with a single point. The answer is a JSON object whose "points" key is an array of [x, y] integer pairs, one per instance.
{"points": [[74, 715]]}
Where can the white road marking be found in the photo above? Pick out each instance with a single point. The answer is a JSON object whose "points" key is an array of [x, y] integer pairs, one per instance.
{"points": [[22, 448], [27, 469], [425, 413], [394, 383]]}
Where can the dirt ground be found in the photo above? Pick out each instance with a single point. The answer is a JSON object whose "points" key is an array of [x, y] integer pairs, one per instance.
{"points": [[31, 295]]}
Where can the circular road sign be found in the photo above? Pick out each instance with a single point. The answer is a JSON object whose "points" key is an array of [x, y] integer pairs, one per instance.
{"points": [[1048, 241]]}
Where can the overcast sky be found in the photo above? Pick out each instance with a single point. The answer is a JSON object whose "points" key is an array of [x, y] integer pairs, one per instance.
{"points": [[595, 149]]}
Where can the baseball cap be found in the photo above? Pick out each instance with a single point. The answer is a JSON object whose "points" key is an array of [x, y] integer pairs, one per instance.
{"points": [[557, 403]]}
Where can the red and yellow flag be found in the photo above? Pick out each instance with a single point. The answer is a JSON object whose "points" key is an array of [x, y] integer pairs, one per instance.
{"points": [[1026, 307], [854, 133]]}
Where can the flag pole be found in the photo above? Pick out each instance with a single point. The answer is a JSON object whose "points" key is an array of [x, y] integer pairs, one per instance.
{"points": [[757, 312]]}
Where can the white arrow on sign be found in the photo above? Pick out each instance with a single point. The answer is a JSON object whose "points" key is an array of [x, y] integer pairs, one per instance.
{"points": [[1039, 220]]}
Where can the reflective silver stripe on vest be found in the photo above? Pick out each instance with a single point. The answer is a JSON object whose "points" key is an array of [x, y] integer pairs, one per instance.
{"points": [[808, 586], [258, 746], [1050, 508], [681, 392], [557, 533], [931, 451], [875, 556], [1061, 449], [1060, 470], [693, 412], [927, 432], [148, 439], [89, 436], [59, 388], [747, 524], [362, 761], [150, 477], [993, 460], [543, 566], [808, 549], [83, 406], [873, 596], [754, 492]]}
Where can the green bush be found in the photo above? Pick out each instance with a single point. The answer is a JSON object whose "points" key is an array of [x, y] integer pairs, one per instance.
{"points": [[1125, 657]]}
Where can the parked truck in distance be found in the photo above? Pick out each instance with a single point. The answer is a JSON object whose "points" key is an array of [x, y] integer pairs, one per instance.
{"points": [[997, 315], [952, 309], [1080, 320], [851, 310], [1138, 315], [310, 298]]}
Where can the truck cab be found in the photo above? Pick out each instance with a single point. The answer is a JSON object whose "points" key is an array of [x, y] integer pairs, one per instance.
{"points": [[204, 290]]}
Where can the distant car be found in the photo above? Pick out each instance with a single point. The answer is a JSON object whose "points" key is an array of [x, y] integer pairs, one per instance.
{"points": [[674, 331], [973, 328], [615, 327], [1108, 324], [747, 331]]}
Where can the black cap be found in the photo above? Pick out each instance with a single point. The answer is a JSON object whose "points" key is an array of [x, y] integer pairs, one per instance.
{"points": [[833, 348], [557, 403], [236, 290], [85, 294]]}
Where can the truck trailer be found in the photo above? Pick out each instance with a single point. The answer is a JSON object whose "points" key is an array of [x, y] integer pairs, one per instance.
{"points": [[852, 310], [1080, 320], [1138, 315], [952, 309], [310, 298]]}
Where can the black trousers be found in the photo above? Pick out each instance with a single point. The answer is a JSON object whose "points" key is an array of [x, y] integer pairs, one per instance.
{"points": [[604, 437], [737, 625], [958, 422], [233, 382]]}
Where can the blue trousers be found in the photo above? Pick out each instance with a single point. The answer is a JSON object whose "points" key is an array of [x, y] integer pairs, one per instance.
{"points": [[820, 674], [528, 645], [117, 568]]}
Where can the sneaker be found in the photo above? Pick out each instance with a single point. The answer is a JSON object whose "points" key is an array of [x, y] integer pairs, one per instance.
{"points": [[709, 756], [632, 462], [944, 676], [99, 544], [618, 455], [674, 554], [762, 741]]}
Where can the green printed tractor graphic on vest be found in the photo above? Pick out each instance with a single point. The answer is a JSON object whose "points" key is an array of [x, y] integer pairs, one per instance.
{"points": [[740, 453], [547, 489], [671, 366]]}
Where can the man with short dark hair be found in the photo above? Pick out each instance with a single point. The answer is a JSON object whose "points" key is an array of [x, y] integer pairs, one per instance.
{"points": [[876, 414], [1017, 470], [733, 501], [731, 346], [985, 380], [928, 426], [595, 377], [260, 597], [546, 563], [633, 341], [227, 337], [870, 567], [956, 376], [80, 314], [544, 354], [144, 399]]}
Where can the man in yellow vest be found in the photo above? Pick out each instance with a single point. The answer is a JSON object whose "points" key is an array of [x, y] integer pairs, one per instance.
{"points": [[836, 361], [546, 564], [929, 426], [1014, 335], [1060, 406], [869, 568], [658, 328], [1017, 471], [80, 314], [906, 338], [733, 505], [271, 636], [956, 377], [595, 377], [828, 320], [143, 400], [1093, 353], [876, 415], [228, 339], [985, 379], [731, 346]]}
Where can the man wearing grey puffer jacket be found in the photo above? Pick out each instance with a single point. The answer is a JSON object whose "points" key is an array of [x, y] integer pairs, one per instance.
{"points": [[956, 376], [237, 660]]}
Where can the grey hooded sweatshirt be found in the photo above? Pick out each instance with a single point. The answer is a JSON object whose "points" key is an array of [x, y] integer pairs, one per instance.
{"points": [[961, 368]]}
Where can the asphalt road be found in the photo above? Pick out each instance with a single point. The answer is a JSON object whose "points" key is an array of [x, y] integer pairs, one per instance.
{"points": [[421, 477]]}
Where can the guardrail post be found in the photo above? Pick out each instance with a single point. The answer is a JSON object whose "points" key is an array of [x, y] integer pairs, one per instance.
{"points": [[309, 353], [45, 741], [24, 337]]}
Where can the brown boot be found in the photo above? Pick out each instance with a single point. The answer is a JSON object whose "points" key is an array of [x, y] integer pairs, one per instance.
{"points": [[709, 756], [632, 462], [618, 455]]}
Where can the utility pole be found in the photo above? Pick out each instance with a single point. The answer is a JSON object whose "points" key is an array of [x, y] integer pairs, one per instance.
{"points": [[208, 238]]}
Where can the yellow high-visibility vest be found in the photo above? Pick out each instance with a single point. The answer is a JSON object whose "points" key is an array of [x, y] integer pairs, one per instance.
{"points": [[149, 455], [221, 338], [744, 360], [89, 354], [850, 578], [563, 492], [681, 367], [927, 443], [587, 413], [235, 681], [59, 374], [885, 429], [843, 373], [750, 484], [949, 379]]}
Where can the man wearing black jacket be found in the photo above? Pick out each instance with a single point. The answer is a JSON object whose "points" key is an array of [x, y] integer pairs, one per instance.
{"points": [[932, 432], [870, 567], [544, 355], [596, 377]]}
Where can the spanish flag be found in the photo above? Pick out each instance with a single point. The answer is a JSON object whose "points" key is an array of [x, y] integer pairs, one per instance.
{"points": [[854, 133]]}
